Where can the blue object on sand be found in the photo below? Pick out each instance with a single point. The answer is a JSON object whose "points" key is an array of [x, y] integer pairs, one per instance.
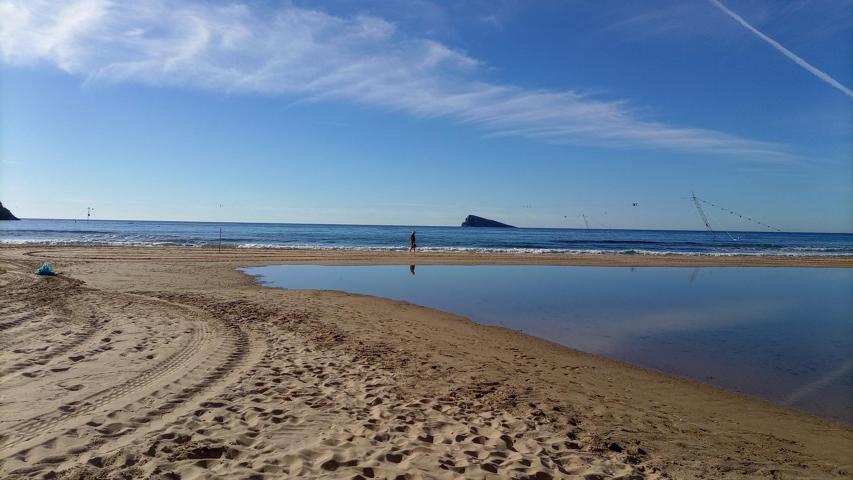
{"points": [[45, 269]]}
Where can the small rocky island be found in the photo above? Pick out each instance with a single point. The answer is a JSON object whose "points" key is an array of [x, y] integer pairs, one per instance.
{"points": [[5, 214], [475, 221]]}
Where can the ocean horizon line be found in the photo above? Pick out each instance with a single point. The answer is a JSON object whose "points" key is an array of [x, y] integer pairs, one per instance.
{"points": [[230, 222]]}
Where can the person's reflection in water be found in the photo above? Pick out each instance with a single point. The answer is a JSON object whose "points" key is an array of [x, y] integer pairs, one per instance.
{"points": [[412, 269], [693, 275]]}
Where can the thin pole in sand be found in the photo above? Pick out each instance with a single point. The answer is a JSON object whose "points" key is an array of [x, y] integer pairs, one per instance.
{"points": [[220, 232]]}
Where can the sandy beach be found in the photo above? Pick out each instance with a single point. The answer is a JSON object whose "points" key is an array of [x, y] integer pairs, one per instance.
{"points": [[169, 363]]}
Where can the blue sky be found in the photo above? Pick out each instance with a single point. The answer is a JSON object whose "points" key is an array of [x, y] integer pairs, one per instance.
{"points": [[534, 113]]}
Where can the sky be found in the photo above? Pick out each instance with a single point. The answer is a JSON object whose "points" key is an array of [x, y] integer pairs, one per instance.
{"points": [[418, 112]]}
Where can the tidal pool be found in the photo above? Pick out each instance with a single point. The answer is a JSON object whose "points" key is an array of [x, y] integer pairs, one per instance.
{"points": [[782, 334]]}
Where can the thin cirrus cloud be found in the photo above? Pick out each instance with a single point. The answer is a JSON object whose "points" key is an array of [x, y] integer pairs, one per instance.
{"points": [[312, 55]]}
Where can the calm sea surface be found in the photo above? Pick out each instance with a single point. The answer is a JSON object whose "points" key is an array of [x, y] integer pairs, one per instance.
{"points": [[529, 240], [783, 334]]}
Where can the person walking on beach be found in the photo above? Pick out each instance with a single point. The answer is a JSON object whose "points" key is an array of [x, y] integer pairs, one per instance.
{"points": [[414, 245]]}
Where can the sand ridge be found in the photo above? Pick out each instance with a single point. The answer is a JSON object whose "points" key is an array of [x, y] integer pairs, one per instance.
{"points": [[248, 382]]}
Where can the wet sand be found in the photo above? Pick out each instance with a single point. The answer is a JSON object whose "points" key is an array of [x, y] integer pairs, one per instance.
{"points": [[169, 363]]}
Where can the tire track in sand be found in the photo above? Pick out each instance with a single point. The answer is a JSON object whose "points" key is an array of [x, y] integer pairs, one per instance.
{"points": [[27, 315], [218, 350], [43, 357], [27, 429], [22, 319]]}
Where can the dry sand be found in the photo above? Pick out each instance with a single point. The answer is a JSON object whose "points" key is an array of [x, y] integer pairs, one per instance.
{"points": [[168, 363]]}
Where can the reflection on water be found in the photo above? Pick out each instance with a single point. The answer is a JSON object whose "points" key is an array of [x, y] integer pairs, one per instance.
{"points": [[784, 334]]}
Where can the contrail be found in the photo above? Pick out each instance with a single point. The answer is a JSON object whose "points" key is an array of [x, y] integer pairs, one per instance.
{"points": [[799, 61]]}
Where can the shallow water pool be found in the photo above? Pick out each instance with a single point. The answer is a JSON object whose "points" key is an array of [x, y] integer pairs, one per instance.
{"points": [[783, 334]]}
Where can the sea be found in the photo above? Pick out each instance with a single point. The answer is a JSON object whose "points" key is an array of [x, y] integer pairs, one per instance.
{"points": [[430, 238]]}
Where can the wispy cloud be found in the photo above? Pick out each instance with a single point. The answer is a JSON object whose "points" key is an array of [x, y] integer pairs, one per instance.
{"points": [[791, 55], [637, 20], [312, 55]]}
